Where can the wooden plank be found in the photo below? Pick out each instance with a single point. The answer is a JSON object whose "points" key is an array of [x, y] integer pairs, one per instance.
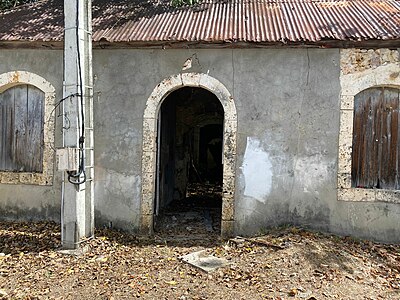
{"points": [[34, 146], [7, 104], [395, 140], [356, 165], [9, 120], [376, 137], [3, 131], [370, 151], [20, 127], [365, 134], [389, 147], [394, 132], [384, 155]]}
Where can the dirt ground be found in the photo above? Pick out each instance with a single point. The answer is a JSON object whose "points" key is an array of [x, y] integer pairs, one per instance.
{"points": [[285, 263]]}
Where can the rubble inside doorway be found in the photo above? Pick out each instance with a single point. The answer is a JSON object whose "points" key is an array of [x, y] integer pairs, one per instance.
{"points": [[197, 216]]}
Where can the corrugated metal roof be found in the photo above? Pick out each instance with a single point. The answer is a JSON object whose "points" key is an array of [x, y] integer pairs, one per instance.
{"points": [[213, 21]]}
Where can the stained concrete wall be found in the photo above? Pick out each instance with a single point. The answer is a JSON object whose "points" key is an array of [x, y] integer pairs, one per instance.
{"points": [[26, 201], [287, 102]]}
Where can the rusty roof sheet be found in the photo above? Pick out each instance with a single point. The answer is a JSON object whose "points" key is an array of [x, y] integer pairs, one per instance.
{"points": [[213, 21]]}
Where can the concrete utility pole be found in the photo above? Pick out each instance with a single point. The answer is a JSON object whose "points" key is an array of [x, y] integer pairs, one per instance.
{"points": [[75, 159]]}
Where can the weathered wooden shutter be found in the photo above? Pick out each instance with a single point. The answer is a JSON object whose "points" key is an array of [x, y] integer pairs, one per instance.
{"points": [[375, 156], [21, 129]]}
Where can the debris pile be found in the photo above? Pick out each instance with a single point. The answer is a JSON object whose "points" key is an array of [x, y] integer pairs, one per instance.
{"points": [[197, 215]]}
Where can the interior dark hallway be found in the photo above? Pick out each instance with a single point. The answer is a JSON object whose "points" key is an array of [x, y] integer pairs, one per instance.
{"points": [[189, 163]]}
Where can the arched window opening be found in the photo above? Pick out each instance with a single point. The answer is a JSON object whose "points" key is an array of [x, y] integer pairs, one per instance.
{"points": [[21, 129], [375, 151]]}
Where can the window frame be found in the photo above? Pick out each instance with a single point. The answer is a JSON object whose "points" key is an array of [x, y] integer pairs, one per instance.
{"points": [[376, 139], [14, 78], [352, 84]]}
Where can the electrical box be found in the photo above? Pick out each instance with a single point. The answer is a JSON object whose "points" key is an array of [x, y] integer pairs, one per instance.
{"points": [[67, 159]]}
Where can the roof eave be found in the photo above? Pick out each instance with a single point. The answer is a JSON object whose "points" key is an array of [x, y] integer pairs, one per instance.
{"points": [[58, 45]]}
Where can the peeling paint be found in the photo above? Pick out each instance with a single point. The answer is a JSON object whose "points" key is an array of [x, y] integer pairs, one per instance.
{"points": [[257, 171]]}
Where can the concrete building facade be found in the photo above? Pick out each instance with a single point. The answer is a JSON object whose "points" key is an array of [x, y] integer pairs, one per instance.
{"points": [[287, 133]]}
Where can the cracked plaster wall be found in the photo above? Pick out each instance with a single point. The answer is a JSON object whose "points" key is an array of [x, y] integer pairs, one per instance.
{"points": [[288, 105], [288, 108], [291, 107]]}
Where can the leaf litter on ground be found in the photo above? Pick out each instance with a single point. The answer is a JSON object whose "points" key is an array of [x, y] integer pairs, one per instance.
{"points": [[285, 263]]}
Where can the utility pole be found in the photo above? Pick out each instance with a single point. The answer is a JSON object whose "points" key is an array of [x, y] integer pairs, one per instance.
{"points": [[75, 158]]}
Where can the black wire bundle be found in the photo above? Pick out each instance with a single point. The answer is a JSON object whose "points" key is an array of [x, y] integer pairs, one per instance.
{"points": [[74, 177]]}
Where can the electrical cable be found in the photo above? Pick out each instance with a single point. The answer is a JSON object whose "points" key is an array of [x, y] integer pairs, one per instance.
{"points": [[59, 103], [73, 176]]}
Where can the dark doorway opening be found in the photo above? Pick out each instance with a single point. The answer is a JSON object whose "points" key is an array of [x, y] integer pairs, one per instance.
{"points": [[189, 164]]}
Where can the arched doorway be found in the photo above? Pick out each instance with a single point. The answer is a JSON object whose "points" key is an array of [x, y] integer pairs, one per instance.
{"points": [[188, 195], [188, 83]]}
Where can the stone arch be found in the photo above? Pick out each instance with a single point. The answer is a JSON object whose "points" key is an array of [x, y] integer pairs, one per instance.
{"points": [[160, 92], [352, 84], [14, 78]]}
